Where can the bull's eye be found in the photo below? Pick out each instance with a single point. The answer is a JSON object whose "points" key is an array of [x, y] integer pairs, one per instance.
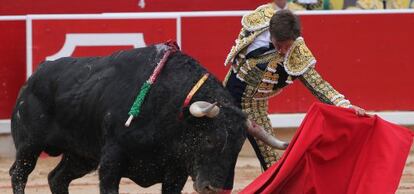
{"points": [[208, 140]]}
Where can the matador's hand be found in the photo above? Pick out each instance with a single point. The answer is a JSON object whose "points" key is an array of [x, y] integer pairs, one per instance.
{"points": [[359, 111]]}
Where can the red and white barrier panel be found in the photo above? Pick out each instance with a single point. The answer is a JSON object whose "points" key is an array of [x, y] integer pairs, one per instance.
{"points": [[366, 55], [13, 7]]}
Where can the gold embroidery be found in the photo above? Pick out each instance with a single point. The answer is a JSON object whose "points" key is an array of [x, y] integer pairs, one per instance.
{"points": [[322, 89], [249, 91], [269, 58], [251, 77], [257, 111], [299, 58], [266, 86], [270, 76], [249, 73], [259, 18], [262, 82]]}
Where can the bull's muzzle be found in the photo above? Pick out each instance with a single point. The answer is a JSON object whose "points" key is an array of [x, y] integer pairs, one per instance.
{"points": [[258, 132], [206, 188]]}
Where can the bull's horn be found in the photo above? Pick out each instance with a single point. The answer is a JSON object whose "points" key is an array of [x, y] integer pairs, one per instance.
{"points": [[202, 108], [258, 132], [212, 110]]}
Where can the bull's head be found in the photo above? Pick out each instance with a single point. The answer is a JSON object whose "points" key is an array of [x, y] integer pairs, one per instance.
{"points": [[217, 137], [201, 109]]}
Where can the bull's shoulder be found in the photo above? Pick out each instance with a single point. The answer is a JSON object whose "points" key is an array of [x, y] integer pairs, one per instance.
{"points": [[148, 52]]}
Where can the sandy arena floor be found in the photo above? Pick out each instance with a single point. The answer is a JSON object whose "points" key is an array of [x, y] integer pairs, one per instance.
{"points": [[247, 169]]}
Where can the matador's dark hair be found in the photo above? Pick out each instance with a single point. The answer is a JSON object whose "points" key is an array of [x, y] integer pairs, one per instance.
{"points": [[285, 25]]}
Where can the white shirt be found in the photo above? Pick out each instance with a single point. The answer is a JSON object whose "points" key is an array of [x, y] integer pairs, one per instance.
{"points": [[263, 40]]}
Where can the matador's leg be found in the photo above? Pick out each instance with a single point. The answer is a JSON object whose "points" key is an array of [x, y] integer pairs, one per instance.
{"points": [[239, 90], [257, 111]]}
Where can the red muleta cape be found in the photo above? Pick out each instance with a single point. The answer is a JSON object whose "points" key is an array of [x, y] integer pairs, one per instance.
{"points": [[334, 151]]}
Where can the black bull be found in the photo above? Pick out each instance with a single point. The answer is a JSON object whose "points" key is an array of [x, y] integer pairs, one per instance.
{"points": [[77, 107]]}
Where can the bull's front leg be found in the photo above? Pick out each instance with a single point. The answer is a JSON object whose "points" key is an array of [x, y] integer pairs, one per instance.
{"points": [[112, 166], [174, 180]]}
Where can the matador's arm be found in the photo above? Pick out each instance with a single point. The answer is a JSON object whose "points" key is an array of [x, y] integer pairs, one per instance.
{"points": [[300, 62], [322, 89]]}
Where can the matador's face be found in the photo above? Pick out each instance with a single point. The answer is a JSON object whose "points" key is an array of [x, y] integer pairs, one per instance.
{"points": [[282, 46]]}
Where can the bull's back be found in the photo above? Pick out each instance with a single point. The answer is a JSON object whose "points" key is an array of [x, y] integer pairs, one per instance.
{"points": [[77, 94]]}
